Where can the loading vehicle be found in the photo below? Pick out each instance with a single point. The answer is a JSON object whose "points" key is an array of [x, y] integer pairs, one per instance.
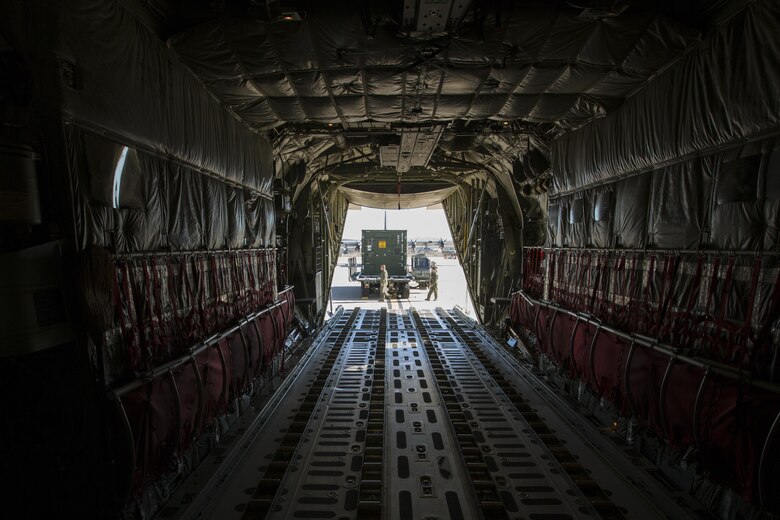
{"points": [[421, 270]]}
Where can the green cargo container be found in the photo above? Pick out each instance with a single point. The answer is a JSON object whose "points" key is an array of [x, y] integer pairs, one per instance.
{"points": [[386, 247]]}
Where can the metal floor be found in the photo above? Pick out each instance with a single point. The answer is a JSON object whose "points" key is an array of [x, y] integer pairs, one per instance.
{"points": [[419, 415]]}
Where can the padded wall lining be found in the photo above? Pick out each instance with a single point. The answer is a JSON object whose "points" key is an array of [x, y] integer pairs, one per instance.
{"points": [[718, 201], [152, 101], [698, 104], [174, 207]]}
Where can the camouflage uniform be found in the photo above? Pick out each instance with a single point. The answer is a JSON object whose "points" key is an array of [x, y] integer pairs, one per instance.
{"points": [[434, 284], [382, 284]]}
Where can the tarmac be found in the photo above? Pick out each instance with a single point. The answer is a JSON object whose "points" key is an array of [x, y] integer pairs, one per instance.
{"points": [[452, 290]]}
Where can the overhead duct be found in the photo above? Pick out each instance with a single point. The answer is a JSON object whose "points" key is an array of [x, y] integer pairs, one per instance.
{"points": [[535, 163], [532, 165], [518, 170], [458, 143]]}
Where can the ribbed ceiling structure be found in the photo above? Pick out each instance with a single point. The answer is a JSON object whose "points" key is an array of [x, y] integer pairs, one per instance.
{"points": [[332, 82]]}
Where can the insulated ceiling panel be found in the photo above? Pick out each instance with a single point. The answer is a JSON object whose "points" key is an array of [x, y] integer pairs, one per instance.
{"points": [[341, 63], [498, 77]]}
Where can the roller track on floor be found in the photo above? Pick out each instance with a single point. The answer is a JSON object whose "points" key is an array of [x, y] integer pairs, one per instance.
{"points": [[408, 414]]}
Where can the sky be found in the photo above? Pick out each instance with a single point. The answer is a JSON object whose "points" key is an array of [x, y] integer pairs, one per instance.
{"points": [[420, 223]]}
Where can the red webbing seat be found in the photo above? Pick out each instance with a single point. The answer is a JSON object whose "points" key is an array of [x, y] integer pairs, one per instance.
{"points": [[678, 403], [580, 351], [734, 421], [239, 368], [607, 364], [151, 412], [560, 338], [645, 373], [189, 404]]}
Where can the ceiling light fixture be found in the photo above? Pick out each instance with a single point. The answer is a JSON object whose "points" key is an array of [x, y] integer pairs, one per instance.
{"points": [[289, 17]]}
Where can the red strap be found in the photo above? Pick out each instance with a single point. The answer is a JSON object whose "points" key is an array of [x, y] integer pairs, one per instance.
{"points": [[207, 311], [595, 284], [190, 327], [571, 277], [173, 295], [525, 270], [252, 292], [264, 275], [704, 338], [238, 307], [762, 338], [633, 290], [537, 264], [269, 284], [257, 268], [275, 339], [561, 275], [602, 260], [152, 341], [670, 271], [582, 277], [726, 328], [162, 324], [123, 299], [646, 314], [274, 280], [217, 288], [744, 335], [687, 323], [664, 280], [696, 285], [261, 341], [724, 295], [582, 299], [606, 284], [650, 281], [550, 275], [244, 288], [713, 283], [136, 320], [613, 308]]}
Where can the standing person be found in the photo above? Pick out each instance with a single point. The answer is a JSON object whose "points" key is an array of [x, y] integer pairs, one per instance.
{"points": [[382, 283], [434, 283]]}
